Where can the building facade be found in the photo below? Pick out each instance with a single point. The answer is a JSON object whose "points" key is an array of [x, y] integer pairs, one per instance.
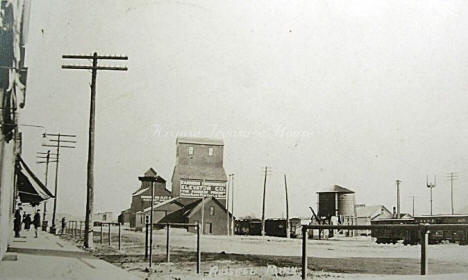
{"points": [[14, 21], [199, 170], [141, 198]]}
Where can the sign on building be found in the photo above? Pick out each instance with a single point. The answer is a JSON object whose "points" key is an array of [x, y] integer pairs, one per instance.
{"points": [[157, 198], [199, 189]]}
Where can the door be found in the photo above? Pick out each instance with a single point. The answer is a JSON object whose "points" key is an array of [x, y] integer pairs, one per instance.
{"points": [[208, 228]]}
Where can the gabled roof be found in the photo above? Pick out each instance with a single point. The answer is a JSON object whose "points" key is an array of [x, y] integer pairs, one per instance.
{"points": [[175, 200], [188, 210], [199, 141], [370, 211], [336, 189], [140, 191], [151, 172], [199, 206]]}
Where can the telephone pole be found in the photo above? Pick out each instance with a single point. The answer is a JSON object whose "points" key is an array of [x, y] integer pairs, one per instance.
{"points": [[452, 177], [264, 194], [228, 219], [41, 156], [57, 144], [431, 186], [232, 203], [287, 208], [88, 241], [398, 198]]}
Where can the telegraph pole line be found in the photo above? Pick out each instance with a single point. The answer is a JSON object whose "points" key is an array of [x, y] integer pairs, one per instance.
{"points": [[58, 144], [88, 241], [264, 194], [452, 177], [41, 156]]}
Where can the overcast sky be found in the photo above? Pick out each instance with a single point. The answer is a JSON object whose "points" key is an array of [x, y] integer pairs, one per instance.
{"points": [[356, 93]]}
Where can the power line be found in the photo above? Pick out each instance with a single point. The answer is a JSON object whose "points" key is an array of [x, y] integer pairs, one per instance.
{"points": [[88, 239], [56, 144]]}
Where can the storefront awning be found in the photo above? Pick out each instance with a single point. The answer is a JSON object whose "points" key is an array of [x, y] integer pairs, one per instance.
{"points": [[30, 189]]}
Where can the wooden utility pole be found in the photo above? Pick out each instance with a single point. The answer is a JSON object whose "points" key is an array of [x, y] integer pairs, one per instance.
{"points": [[41, 156], [152, 180], [452, 177], [203, 207], [58, 140], [288, 233], [398, 198], [88, 241], [228, 219], [232, 204], [263, 205]]}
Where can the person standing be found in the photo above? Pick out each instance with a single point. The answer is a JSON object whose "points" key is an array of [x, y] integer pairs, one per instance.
{"points": [[64, 224], [27, 222], [36, 222], [17, 222]]}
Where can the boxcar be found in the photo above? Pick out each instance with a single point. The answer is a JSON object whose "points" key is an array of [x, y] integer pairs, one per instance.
{"points": [[393, 235]]}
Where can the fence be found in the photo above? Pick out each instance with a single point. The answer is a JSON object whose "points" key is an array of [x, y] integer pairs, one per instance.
{"points": [[76, 229], [422, 228], [182, 225]]}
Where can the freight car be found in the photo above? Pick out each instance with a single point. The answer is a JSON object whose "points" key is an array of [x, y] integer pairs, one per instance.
{"points": [[273, 227], [412, 237], [393, 235]]}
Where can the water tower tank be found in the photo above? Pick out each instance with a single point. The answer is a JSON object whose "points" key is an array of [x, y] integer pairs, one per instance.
{"points": [[336, 200], [346, 203]]}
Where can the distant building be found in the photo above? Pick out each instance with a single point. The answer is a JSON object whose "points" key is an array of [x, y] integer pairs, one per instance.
{"points": [[199, 169], [179, 210], [103, 217], [366, 214], [141, 198]]}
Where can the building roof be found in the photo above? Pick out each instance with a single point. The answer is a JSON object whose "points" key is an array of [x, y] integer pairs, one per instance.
{"points": [[175, 200], [188, 210], [200, 172], [140, 192], [199, 141], [370, 211], [336, 189]]}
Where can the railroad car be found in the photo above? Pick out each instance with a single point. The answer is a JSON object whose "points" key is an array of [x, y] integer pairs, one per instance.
{"points": [[412, 237]]}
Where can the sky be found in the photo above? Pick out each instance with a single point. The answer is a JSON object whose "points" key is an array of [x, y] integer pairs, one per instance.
{"points": [[355, 93]]}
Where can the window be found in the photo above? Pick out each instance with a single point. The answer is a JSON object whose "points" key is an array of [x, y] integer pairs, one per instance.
{"points": [[212, 211], [190, 150], [210, 151]]}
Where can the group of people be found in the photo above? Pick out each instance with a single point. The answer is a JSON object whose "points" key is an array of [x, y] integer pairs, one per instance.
{"points": [[25, 219]]}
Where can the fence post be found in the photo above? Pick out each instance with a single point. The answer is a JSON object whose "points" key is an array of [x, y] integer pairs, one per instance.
{"points": [[146, 238], [304, 252], [168, 256], [109, 235], [101, 234], [80, 229], [424, 233], [198, 248], [119, 237]]}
